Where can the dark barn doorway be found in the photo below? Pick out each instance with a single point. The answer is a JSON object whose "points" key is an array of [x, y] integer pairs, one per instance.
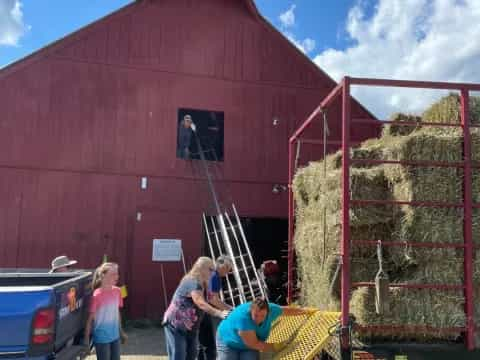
{"points": [[267, 239]]}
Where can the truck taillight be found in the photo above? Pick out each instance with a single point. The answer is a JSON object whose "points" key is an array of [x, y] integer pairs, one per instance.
{"points": [[43, 327]]}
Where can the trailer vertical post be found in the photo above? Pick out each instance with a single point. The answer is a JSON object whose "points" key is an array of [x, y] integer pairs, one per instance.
{"points": [[345, 246], [467, 219], [291, 210]]}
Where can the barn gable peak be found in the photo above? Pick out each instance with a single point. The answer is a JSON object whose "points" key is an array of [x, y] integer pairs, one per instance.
{"points": [[69, 38]]}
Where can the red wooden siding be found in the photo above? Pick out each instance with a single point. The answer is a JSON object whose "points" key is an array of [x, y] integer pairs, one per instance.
{"points": [[83, 119]]}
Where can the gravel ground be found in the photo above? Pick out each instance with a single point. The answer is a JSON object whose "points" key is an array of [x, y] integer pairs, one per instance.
{"points": [[146, 344]]}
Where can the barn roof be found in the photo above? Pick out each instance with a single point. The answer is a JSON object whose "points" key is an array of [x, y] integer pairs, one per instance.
{"points": [[252, 7], [68, 39]]}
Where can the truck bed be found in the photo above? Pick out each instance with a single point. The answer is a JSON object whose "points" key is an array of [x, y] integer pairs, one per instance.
{"points": [[23, 294], [32, 280]]}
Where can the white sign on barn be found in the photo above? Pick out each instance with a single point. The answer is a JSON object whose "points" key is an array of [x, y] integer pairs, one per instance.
{"points": [[167, 250]]}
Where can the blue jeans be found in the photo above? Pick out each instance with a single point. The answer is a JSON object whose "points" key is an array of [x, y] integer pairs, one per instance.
{"points": [[181, 345], [208, 329], [227, 353], [108, 351]]}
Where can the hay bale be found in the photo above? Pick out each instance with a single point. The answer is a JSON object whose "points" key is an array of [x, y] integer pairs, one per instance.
{"points": [[318, 195], [409, 307], [476, 226], [318, 261], [447, 110], [369, 149], [319, 209], [398, 129], [424, 144], [414, 307], [317, 190], [433, 225]]}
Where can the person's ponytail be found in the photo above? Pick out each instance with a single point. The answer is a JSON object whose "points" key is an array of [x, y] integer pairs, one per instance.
{"points": [[99, 274]]}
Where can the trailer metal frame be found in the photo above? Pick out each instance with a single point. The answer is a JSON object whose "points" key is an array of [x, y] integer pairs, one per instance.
{"points": [[343, 90]]}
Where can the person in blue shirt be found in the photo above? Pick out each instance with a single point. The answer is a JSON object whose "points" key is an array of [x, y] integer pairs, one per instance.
{"points": [[243, 334], [208, 327]]}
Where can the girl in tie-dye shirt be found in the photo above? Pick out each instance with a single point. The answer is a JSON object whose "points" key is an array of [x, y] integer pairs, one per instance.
{"points": [[104, 317]]}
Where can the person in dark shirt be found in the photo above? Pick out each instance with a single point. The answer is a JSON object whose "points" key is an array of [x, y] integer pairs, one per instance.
{"points": [[270, 272], [208, 327], [185, 135]]}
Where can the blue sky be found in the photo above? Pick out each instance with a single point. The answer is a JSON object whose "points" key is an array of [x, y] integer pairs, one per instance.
{"points": [[323, 23], [406, 39], [47, 24]]}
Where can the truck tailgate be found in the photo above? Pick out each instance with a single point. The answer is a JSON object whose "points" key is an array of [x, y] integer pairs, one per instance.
{"points": [[17, 308]]}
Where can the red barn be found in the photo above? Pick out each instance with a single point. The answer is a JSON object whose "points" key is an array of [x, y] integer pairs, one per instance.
{"points": [[86, 118]]}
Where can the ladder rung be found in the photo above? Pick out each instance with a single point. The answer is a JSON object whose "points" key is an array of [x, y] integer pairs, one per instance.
{"points": [[246, 269], [234, 296], [246, 289], [255, 293], [219, 232], [235, 291]]}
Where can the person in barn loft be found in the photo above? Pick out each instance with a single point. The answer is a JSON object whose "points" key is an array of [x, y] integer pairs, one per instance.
{"points": [[185, 135]]}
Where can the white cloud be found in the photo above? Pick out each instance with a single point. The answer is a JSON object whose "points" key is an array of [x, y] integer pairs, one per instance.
{"points": [[12, 26], [433, 40], [306, 45], [287, 18]]}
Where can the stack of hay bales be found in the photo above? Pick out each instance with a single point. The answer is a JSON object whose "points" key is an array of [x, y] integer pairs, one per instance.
{"points": [[317, 191]]}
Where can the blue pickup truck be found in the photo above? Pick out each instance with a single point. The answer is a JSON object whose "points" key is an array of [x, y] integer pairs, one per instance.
{"points": [[42, 315]]}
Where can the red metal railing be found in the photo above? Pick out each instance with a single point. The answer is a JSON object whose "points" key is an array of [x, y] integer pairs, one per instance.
{"points": [[411, 328], [343, 89]]}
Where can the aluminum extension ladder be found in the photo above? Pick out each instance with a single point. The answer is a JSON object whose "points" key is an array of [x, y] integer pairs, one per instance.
{"points": [[226, 236], [249, 284]]}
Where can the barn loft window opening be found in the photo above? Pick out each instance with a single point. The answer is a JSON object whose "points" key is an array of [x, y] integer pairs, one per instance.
{"points": [[205, 125]]}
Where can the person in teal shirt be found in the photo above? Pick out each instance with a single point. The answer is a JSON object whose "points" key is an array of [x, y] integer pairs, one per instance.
{"points": [[242, 335]]}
